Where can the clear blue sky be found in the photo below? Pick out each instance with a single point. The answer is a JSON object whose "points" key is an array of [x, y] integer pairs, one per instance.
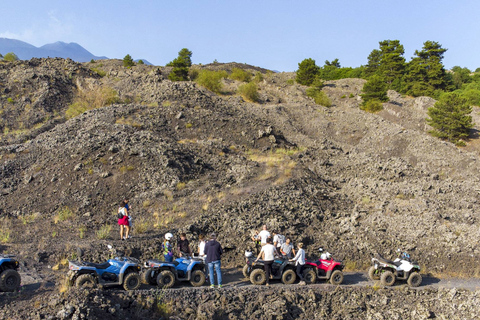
{"points": [[272, 34]]}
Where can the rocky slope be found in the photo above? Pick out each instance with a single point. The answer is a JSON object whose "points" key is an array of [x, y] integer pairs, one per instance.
{"points": [[353, 182]]}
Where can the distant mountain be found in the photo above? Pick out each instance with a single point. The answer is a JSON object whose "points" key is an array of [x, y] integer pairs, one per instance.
{"points": [[26, 51]]}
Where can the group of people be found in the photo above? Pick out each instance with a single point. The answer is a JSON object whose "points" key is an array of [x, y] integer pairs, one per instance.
{"points": [[268, 248], [209, 250]]}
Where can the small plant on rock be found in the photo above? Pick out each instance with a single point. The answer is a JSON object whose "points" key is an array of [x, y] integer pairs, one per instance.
{"points": [[104, 232], [249, 92]]}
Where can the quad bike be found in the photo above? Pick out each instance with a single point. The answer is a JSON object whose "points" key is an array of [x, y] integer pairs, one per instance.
{"points": [[325, 268], [282, 269], [166, 274], [402, 268], [9, 277], [120, 271]]}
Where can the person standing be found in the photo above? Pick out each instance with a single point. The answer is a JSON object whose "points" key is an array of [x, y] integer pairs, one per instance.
{"points": [[183, 246], [123, 221], [268, 251], [264, 235], [278, 241], [287, 249], [214, 252], [130, 218], [167, 248], [201, 246], [300, 262]]}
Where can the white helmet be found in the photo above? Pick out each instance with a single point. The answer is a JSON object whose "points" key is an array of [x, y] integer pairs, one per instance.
{"points": [[168, 236]]}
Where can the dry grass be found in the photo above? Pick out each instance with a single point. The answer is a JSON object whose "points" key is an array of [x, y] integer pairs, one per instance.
{"points": [[63, 214], [104, 232], [142, 225], [88, 99]]}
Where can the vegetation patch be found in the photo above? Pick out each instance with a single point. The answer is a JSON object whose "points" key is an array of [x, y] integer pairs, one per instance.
{"points": [[88, 99]]}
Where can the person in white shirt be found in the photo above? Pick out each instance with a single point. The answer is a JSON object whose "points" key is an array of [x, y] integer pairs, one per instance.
{"points": [[264, 235], [268, 252], [278, 240], [300, 262], [201, 246]]}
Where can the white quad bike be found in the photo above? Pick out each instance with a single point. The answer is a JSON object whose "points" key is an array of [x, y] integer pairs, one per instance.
{"points": [[402, 268]]}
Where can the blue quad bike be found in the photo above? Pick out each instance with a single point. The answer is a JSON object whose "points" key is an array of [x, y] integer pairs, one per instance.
{"points": [[9, 277], [120, 271], [166, 274]]}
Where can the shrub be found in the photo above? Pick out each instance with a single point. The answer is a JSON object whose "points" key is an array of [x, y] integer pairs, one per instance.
{"points": [[249, 92], [307, 71], [91, 99], [63, 214], [375, 89], [372, 105], [128, 61], [100, 72], [140, 61], [10, 57], [180, 65], [104, 232], [211, 79], [319, 97], [258, 77], [240, 75], [10, 100]]}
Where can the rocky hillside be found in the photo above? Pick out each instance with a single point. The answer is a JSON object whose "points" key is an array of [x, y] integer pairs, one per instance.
{"points": [[190, 160]]}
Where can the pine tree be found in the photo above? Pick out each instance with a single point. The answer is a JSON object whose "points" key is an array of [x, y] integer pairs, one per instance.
{"points": [[180, 65], [392, 62], [307, 70], [375, 89], [450, 117], [373, 63], [128, 61]]}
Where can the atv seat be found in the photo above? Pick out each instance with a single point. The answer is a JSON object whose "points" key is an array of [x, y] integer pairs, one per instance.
{"points": [[174, 262], [102, 266], [382, 259]]}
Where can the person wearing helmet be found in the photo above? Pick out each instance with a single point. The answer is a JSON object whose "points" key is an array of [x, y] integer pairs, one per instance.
{"points": [[167, 248]]}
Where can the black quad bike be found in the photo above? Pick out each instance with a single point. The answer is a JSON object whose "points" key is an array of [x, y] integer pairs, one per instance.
{"points": [[282, 269], [9, 277]]}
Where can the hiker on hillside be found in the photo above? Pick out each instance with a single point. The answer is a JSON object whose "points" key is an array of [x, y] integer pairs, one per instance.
{"points": [[130, 218], [183, 246], [123, 221], [167, 248], [214, 252], [287, 250], [300, 262], [268, 251], [278, 241]]}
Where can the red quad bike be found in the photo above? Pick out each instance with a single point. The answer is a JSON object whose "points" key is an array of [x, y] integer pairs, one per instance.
{"points": [[325, 268]]}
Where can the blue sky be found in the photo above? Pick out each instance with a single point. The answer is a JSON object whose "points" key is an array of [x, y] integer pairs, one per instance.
{"points": [[272, 34]]}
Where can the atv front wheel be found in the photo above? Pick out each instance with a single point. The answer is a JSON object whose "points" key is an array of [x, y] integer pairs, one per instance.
{"points": [[146, 277], [166, 279], [414, 280], [132, 281], [337, 277], [373, 274], [310, 276], [245, 271], [289, 277], [258, 277], [387, 278], [85, 281], [9, 280], [198, 278]]}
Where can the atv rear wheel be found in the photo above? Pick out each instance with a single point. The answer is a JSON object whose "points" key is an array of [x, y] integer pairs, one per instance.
{"points": [[373, 274], [166, 279], [9, 280], [258, 277], [198, 278], [245, 271], [414, 280], [146, 277], [289, 277], [132, 281], [86, 281], [387, 278], [310, 275], [337, 277]]}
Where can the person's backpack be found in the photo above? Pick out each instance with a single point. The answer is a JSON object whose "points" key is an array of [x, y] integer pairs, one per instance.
{"points": [[121, 213]]}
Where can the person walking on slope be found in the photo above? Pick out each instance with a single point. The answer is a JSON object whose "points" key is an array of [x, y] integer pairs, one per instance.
{"points": [[214, 252], [268, 252], [300, 263], [123, 221], [167, 248]]}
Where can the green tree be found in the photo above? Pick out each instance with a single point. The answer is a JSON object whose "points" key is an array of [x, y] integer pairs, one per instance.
{"points": [[10, 57], [1, 56], [128, 61], [425, 72], [180, 65], [460, 76], [450, 117], [140, 61], [331, 70], [374, 89], [392, 62], [307, 71], [373, 62]]}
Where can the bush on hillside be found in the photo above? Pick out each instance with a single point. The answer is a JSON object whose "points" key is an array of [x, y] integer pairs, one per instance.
{"points": [[307, 71], [249, 92], [128, 61], [240, 75], [319, 96], [373, 105], [211, 79], [91, 99], [10, 57]]}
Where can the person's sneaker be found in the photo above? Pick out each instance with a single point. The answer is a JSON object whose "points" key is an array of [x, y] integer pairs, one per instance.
{"points": [[267, 284], [128, 237], [219, 286], [212, 286], [302, 283]]}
